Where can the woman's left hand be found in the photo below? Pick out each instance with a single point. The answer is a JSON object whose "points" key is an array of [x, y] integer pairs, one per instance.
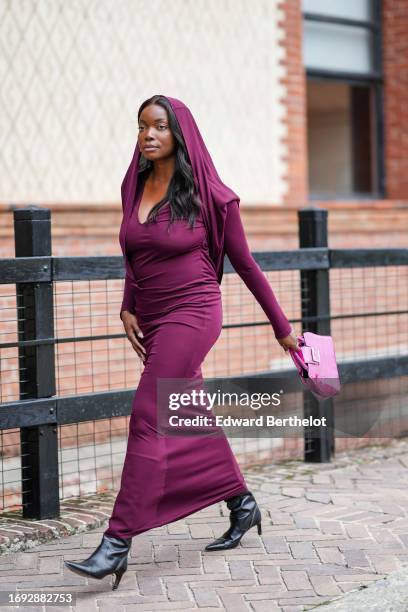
{"points": [[289, 342]]}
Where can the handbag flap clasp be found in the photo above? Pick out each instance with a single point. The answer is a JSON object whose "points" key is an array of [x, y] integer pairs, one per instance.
{"points": [[316, 354], [311, 354]]}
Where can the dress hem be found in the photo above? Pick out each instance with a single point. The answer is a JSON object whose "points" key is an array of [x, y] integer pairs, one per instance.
{"points": [[178, 517]]}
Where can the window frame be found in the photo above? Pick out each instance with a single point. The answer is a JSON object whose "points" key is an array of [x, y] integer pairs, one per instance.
{"points": [[373, 79]]}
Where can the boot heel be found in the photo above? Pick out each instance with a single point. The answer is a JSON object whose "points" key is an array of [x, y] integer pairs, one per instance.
{"points": [[119, 573], [259, 529]]}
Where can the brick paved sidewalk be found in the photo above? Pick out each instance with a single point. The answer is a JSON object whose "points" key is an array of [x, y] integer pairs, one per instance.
{"points": [[327, 529]]}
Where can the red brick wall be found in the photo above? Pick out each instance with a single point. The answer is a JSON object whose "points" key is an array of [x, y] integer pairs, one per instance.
{"points": [[295, 102], [395, 66]]}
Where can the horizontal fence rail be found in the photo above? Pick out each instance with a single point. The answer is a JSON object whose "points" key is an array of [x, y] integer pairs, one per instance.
{"points": [[41, 419]]}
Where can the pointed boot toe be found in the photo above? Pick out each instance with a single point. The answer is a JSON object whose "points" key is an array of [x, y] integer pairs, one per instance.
{"points": [[222, 544], [78, 568], [109, 558]]}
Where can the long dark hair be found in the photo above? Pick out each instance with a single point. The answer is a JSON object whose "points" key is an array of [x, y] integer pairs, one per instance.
{"points": [[182, 193]]}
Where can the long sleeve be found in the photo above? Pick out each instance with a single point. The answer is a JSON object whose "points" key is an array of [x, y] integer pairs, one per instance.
{"points": [[239, 254], [128, 302]]}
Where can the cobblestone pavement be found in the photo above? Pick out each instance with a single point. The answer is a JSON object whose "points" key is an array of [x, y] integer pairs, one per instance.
{"points": [[327, 529]]}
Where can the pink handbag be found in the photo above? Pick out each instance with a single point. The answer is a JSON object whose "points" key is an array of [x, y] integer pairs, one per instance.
{"points": [[315, 361]]}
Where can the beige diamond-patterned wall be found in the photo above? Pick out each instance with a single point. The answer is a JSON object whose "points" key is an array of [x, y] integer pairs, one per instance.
{"points": [[74, 73]]}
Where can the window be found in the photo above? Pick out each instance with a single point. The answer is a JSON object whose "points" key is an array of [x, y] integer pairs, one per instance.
{"points": [[342, 58]]}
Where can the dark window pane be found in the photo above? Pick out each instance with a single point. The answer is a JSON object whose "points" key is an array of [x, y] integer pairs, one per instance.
{"points": [[361, 145], [340, 139]]}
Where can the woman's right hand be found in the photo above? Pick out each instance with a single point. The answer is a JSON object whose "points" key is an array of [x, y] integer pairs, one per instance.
{"points": [[133, 332]]}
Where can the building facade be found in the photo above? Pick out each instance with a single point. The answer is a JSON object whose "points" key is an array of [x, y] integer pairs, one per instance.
{"points": [[300, 103]]}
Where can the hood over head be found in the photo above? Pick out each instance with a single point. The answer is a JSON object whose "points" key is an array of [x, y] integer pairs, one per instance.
{"points": [[214, 194]]}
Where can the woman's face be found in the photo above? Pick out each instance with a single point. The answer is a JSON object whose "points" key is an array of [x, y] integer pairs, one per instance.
{"points": [[155, 132]]}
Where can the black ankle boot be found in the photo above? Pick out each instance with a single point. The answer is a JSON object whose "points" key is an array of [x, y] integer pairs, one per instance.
{"points": [[109, 558], [245, 513]]}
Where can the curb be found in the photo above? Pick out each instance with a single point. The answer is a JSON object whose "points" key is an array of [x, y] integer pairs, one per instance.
{"points": [[76, 516]]}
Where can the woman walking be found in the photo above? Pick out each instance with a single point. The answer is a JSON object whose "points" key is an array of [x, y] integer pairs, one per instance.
{"points": [[179, 220]]}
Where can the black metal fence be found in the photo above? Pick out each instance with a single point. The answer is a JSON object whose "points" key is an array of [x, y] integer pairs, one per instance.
{"points": [[75, 391]]}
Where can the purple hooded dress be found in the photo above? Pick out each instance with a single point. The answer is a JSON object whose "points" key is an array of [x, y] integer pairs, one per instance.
{"points": [[172, 285]]}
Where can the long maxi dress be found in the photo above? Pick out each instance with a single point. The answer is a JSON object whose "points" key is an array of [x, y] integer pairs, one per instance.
{"points": [[177, 301]]}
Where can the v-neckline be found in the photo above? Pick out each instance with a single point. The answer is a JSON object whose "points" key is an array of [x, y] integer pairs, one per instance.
{"points": [[137, 207], [140, 198]]}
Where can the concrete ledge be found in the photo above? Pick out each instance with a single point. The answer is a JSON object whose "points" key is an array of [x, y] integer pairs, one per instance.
{"points": [[77, 515], [390, 594]]}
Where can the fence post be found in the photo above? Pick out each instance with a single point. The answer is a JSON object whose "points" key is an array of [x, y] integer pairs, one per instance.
{"points": [[39, 444], [319, 441]]}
